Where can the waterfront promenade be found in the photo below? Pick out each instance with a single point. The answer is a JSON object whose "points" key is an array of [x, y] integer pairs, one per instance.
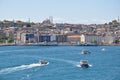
{"points": [[56, 44]]}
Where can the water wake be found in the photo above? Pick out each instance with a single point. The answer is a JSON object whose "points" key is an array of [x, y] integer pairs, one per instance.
{"points": [[18, 68], [19, 50], [77, 64], [64, 60], [103, 49]]}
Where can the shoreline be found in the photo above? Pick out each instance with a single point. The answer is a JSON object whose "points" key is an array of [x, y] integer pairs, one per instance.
{"points": [[54, 45]]}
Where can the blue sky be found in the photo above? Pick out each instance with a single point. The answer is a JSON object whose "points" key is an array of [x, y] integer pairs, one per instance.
{"points": [[70, 11]]}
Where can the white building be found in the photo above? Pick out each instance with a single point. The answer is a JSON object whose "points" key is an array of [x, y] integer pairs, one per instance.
{"points": [[53, 38], [108, 39], [91, 38], [27, 38]]}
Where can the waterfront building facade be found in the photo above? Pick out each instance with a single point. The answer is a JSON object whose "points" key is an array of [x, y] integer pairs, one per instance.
{"points": [[91, 39], [74, 39], [27, 38]]}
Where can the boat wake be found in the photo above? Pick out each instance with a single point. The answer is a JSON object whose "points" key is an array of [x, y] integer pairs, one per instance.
{"points": [[63, 60], [103, 49], [18, 68], [4, 51]]}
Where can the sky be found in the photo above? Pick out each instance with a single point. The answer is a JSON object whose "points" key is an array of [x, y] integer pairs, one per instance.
{"points": [[62, 11]]}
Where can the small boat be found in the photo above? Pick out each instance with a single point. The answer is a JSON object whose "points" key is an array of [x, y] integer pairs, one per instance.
{"points": [[85, 52], [84, 63], [42, 62]]}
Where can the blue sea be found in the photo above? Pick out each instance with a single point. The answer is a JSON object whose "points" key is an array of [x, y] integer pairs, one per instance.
{"points": [[22, 63]]}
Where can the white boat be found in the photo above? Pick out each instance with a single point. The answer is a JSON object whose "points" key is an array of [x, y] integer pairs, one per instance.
{"points": [[84, 63], [43, 62], [85, 52]]}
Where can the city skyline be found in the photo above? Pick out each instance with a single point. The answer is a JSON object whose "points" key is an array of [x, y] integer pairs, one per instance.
{"points": [[63, 11]]}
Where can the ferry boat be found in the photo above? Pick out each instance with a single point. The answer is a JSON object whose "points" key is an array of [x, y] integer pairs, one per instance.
{"points": [[84, 63]]}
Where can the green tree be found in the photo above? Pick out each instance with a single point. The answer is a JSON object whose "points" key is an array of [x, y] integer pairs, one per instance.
{"points": [[105, 23], [116, 41], [28, 25], [19, 21], [110, 23], [10, 39], [6, 21], [1, 39], [94, 41], [32, 23]]}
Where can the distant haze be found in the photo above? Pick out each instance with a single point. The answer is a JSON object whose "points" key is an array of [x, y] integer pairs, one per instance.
{"points": [[63, 11]]}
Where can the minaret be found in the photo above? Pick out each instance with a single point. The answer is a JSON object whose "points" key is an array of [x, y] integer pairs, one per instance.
{"points": [[13, 23], [118, 19], [51, 19], [29, 20]]}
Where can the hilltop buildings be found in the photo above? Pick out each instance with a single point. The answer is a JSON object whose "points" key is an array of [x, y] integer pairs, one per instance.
{"points": [[47, 33]]}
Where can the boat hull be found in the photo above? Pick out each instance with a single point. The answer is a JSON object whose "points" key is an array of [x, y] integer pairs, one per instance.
{"points": [[84, 65]]}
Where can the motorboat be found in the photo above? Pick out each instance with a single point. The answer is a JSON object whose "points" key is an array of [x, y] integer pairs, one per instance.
{"points": [[84, 63], [86, 52], [43, 62]]}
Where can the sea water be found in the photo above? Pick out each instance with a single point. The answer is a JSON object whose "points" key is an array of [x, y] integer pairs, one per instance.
{"points": [[22, 63]]}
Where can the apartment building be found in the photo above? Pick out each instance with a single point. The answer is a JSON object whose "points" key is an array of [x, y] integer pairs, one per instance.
{"points": [[91, 39], [74, 39]]}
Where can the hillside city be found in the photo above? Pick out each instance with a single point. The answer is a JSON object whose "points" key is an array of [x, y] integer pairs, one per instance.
{"points": [[49, 33]]}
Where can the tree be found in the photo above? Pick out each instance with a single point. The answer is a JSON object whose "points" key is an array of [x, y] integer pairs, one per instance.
{"points": [[110, 23], [5, 21], [10, 39], [116, 41], [32, 23], [94, 41], [28, 25], [19, 21], [105, 23], [1, 39]]}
